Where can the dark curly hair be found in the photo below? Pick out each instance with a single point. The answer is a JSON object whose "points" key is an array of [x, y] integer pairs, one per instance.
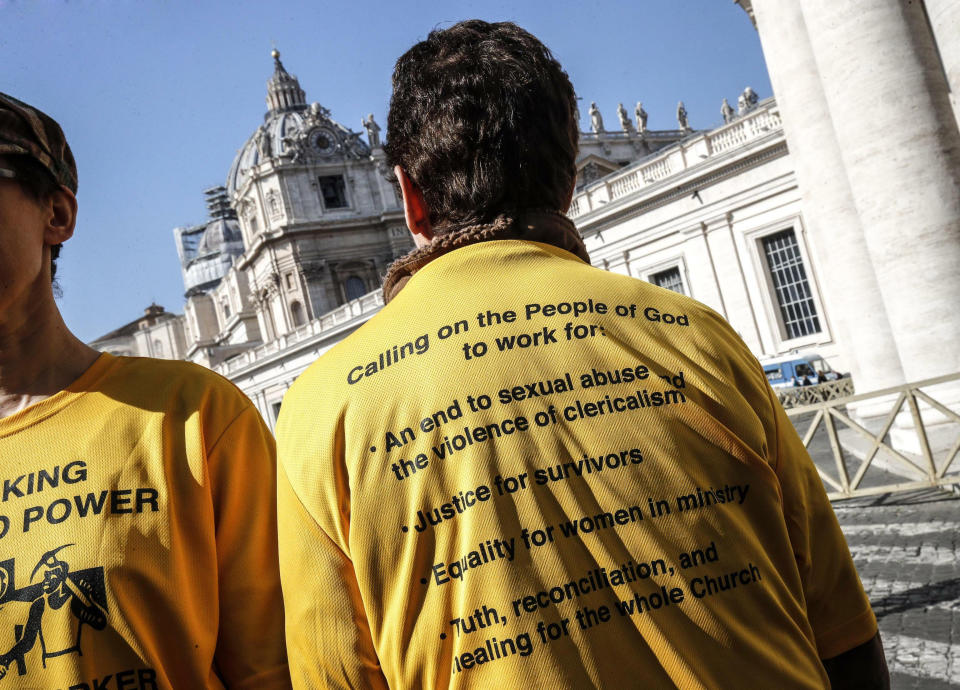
{"points": [[38, 184], [482, 120]]}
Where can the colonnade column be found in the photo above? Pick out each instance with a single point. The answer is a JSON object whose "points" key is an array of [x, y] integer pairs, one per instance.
{"points": [[851, 292], [944, 16], [888, 102]]}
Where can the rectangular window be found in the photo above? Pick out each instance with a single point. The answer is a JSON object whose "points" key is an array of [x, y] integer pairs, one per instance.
{"points": [[669, 279], [790, 284], [334, 191]]}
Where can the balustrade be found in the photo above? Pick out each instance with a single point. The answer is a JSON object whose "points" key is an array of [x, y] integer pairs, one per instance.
{"points": [[362, 307], [757, 123]]}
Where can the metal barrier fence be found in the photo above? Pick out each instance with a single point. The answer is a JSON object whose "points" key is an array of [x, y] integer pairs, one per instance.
{"points": [[857, 450], [808, 395]]}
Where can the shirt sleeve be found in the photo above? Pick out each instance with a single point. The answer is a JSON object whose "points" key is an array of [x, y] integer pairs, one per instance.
{"points": [[327, 630], [837, 606], [250, 646]]}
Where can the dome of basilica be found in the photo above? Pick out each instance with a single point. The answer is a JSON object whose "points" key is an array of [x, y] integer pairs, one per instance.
{"points": [[292, 132], [207, 250], [220, 234]]}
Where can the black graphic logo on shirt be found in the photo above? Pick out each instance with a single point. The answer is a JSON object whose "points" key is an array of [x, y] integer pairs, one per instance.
{"points": [[61, 603]]}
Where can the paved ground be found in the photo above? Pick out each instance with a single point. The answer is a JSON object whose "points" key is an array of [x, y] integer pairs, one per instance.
{"points": [[907, 551]]}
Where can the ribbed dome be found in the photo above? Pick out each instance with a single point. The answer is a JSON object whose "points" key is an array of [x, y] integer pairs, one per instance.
{"points": [[278, 126], [221, 235], [292, 131], [207, 251]]}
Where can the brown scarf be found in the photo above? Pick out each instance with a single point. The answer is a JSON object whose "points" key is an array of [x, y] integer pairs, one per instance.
{"points": [[549, 227]]}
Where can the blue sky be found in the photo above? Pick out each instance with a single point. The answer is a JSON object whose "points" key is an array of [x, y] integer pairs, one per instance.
{"points": [[157, 97]]}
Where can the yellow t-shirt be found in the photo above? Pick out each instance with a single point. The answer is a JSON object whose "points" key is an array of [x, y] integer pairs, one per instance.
{"points": [[137, 535], [525, 469]]}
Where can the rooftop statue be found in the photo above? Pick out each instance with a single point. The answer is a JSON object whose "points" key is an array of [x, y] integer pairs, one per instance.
{"points": [[641, 116], [596, 119], [317, 113], [747, 101], [682, 117], [727, 111], [373, 131], [625, 123], [263, 143]]}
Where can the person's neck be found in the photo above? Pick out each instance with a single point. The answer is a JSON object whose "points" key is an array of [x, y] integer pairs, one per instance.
{"points": [[39, 356]]}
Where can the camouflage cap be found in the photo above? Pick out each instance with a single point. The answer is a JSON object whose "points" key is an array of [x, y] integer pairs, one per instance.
{"points": [[25, 130]]}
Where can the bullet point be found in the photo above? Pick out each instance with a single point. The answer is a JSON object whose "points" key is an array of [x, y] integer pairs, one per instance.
{"points": [[443, 636], [404, 529], [423, 580], [373, 449]]}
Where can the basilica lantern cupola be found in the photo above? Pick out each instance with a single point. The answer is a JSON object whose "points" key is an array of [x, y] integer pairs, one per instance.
{"points": [[283, 89]]}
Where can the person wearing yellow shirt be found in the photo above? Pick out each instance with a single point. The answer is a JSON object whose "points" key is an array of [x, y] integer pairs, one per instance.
{"points": [[525, 471], [137, 497]]}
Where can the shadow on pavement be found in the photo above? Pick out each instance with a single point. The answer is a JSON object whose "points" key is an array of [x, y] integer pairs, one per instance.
{"points": [[903, 498], [918, 597]]}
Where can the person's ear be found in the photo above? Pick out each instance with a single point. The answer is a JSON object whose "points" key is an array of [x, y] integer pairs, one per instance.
{"points": [[61, 216], [415, 209]]}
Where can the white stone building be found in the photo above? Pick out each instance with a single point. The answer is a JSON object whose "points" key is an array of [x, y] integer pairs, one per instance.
{"points": [[847, 244], [715, 215], [291, 258], [157, 333], [298, 239]]}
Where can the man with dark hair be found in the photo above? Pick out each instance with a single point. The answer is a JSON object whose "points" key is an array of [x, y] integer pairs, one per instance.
{"points": [[159, 476], [525, 470]]}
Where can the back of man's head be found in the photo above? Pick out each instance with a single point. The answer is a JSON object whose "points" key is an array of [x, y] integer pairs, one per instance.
{"points": [[482, 119]]}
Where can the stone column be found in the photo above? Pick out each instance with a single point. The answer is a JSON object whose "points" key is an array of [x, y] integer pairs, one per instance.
{"points": [[897, 136], [850, 289], [944, 16]]}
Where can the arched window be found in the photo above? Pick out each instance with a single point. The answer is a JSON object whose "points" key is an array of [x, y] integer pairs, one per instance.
{"points": [[226, 309], [355, 287], [157, 348], [296, 311]]}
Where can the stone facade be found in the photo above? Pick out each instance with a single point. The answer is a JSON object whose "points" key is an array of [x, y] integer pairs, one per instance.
{"points": [[698, 215], [306, 222], [792, 247], [318, 224], [703, 218], [157, 333]]}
